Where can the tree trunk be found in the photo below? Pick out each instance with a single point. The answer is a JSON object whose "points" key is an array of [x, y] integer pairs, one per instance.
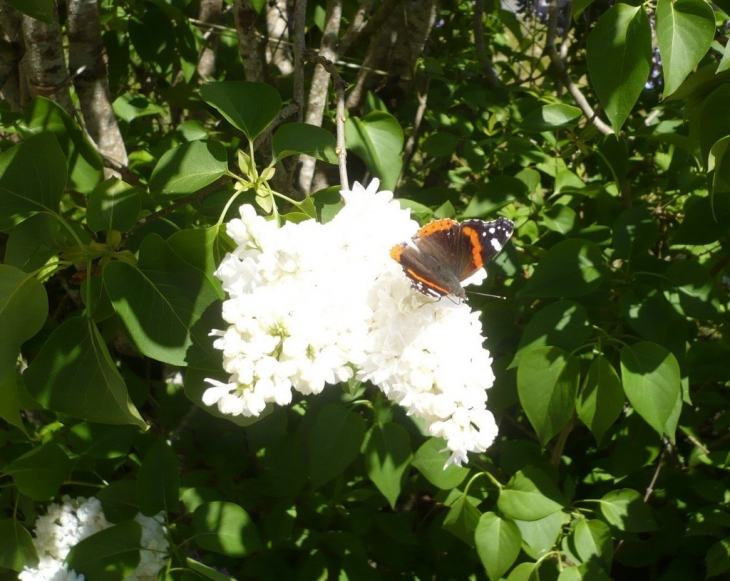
{"points": [[320, 83], [11, 52], [277, 49], [86, 56], [210, 12], [248, 40], [45, 66]]}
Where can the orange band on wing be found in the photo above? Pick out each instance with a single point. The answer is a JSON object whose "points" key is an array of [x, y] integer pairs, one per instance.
{"points": [[476, 246], [428, 283]]}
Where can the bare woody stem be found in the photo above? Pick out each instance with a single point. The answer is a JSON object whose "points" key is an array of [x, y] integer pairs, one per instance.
{"points": [[339, 86]]}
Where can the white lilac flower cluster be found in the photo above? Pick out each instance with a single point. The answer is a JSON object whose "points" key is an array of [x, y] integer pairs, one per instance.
{"points": [[65, 525], [312, 304]]}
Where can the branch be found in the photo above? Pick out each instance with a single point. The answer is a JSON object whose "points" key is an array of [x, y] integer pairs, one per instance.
{"points": [[317, 100], [46, 70], [86, 58], [374, 23], [284, 113], [559, 66], [248, 40], [300, 15], [11, 54], [210, 13], [410, 147], [339, 86]]}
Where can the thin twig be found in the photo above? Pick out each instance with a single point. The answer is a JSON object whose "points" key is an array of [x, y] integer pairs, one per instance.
{"points": [[650, 489], [410, 147], [284, 113], [562, 71], [339, 86], [481, 47]]}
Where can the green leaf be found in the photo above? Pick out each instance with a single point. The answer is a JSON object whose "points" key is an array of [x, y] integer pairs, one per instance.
{"points": [[430, 460], [119, 500], [498, 544], [651, 380], [39, 9], [113, 205], [159, 299], [712, 122], [525, 572], [462, 519], [560, 218], [496, 193], [33, 242], [189, 167], [705, 220], [158, 481], [440, 144], [717, 558], [334, 442], [571, 268], [109, 555], [131, 106], [601, 399], [204, 249], [635, 232], [654, 318], [85, 165], [377, 139], [625, 510], [547, 383], [207, 572], [530, 495], [593, 541], [40, 473], [295, 138], [561, 324], [32, 179], [10, 401], [622, 37], [224, 527], [250, 107], [584, 572], [101, 440], [387, 453], [551, 118], [23, 311], [719, 164], [724, 61], [74, 374], [17, 549], [685, 30], [539, 536], [692, 290], [97, 301]]}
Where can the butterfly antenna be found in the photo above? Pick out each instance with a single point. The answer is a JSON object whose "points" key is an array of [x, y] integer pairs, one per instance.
{"points": [[488, 295]]}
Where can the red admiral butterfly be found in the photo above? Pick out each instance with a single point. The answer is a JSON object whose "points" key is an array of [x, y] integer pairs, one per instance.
{"points": [[444, 253]]}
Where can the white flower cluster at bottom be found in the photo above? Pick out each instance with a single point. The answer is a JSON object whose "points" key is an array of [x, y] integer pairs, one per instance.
{"points": [[65, 525], [312, 304]]}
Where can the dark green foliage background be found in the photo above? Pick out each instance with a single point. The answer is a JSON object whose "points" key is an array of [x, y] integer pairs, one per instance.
{"points": [[610, 349]]}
